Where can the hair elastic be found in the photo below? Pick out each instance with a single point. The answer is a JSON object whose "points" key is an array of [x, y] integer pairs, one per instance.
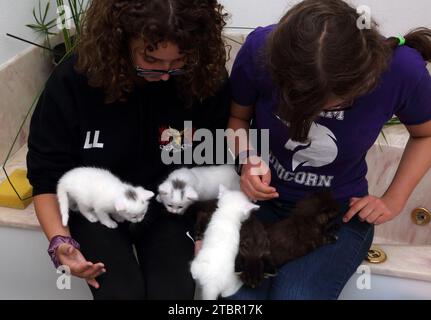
{"points": [[401, 41]]}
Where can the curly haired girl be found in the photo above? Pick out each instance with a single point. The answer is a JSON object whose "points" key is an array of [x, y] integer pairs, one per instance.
{"points": [[140, 66]]}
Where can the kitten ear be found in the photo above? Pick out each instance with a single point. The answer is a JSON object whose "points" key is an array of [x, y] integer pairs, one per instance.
{"points": [[250, 207], [164, 188], [221, 190], [191, 194], [147, 194], [120, 205]]}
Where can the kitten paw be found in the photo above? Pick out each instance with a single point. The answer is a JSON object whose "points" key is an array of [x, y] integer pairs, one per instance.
{"points": [[110, 224], [92, 219]]}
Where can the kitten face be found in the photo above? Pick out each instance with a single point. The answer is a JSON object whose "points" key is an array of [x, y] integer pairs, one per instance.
{"points": [[176, 196], [133, 204], [177, 207]]}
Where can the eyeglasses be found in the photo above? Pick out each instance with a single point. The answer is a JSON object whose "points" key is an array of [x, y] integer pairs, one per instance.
{"points": [[153, 73], [344, 106]]}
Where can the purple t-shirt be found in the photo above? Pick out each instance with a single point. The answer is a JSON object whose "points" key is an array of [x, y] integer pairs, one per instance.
{"points": [[339, 141]]}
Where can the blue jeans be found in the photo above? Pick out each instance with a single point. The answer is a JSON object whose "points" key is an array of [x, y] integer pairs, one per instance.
{"points": [[320, 275]]}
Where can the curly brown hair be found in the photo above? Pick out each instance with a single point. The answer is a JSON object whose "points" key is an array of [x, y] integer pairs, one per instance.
{"points": [[317, 51], [194, 25]]}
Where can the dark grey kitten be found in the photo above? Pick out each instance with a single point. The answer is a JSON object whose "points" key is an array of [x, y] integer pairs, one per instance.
{"points": [[309, 226]]}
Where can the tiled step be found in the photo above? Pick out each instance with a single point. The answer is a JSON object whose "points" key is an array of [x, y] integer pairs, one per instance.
{"points": [[26, 218]]}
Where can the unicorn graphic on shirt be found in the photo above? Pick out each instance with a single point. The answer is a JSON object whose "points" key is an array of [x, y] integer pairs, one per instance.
{"points": [[321, 148]]}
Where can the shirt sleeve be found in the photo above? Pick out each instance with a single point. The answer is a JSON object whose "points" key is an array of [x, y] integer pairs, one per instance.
{"points": [[242, 78], [417, 107], [52, 142]]}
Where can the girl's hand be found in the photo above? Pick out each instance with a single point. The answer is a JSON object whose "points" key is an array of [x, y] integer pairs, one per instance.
{"points": [[255, 180], [69, 256], [372, 209]]}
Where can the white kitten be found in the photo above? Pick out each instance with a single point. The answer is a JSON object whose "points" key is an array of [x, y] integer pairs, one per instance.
{"points": [[214, 266], [97, 194], [185, 186]]}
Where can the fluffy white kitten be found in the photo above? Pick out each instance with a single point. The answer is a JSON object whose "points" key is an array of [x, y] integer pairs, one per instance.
{"points": [[97, 194], [214, 266], [185, 186]]}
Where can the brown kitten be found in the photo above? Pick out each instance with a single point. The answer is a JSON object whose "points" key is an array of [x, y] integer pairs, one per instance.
{"points": [[253, 262], [309, 226], [200, 213]]}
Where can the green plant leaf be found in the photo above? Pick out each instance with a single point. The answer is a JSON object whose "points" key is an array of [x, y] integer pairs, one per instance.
{"points": [[40, 12], [46, 11], [35, 17], [53, 22], [33, 26]]}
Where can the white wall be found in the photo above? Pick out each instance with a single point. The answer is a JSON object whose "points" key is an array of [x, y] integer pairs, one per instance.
{"points": [[395, 17], [14, 15]]}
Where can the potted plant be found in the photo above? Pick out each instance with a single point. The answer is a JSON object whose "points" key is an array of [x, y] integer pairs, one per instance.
{"points": [[70, 13], [68, 21]]}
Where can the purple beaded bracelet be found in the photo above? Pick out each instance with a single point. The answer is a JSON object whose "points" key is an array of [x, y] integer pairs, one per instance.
{"points": [[55, 243]]}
